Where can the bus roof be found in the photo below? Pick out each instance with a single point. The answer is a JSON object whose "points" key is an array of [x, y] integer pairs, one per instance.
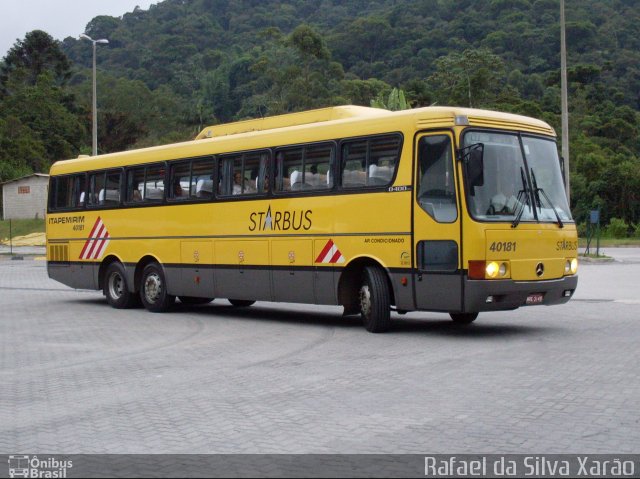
{"points": [[423, 116], [340, 117], [291, 119]]}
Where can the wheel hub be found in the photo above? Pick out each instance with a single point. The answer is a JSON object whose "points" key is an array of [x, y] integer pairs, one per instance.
{"points": [[115, 285], [365, 300], [152, 288]]}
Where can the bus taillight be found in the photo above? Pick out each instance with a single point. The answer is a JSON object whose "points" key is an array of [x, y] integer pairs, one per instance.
{"points": [[477, 269]]}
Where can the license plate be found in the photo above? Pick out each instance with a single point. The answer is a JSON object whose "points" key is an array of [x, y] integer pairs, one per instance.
{"points": [[535, 298]]}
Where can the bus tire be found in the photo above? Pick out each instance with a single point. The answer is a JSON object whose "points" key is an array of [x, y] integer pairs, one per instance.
{"points": [[194, 300], [115, 288], [463, 318], [241, 303], [374, 299], [153, 289]]}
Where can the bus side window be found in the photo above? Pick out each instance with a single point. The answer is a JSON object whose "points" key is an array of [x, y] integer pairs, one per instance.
{"points": [[305, 168], [201, 182], [290, 170], [144, 184], [317, 166], [354, 163], [180, 182], [225, 176], [96, 184], [371, 162], [112, 189], [135, 185], [80, 189]]}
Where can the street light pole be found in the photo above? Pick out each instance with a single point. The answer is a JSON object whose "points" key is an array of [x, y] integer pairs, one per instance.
{"points": [[95, 97], [564, 101]]}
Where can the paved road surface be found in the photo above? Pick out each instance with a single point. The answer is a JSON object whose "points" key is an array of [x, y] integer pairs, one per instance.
{"points": [[79, 377]]}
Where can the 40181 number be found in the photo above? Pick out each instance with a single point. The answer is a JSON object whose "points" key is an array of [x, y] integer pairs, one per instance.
{"points": [[499, 246]]}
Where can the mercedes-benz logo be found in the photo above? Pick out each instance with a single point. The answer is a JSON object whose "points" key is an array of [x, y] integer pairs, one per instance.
{"points": [[539, 269]]}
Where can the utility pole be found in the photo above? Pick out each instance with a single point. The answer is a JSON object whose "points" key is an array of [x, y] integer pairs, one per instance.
{"points": [[564, 102]]}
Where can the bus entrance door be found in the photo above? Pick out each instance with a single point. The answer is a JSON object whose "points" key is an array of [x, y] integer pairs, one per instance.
{"points": [[436, 225]]}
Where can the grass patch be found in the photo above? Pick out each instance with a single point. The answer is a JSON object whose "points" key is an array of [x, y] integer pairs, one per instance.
{"points": [[610, 242], [594, 256], [21, 227]]}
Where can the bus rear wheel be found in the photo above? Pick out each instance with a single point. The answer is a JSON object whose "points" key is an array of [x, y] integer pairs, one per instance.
{"points": [[153, 289], [241, 303], [116, 290], [463, 318], [374, 299]]}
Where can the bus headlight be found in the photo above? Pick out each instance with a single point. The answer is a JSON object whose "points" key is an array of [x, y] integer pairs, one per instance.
{"points": [[571, 266], [492, 269], [496, 269], [488, 269]]}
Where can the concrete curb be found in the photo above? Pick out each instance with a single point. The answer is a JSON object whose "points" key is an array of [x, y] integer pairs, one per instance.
{"points": [[601, 259]]}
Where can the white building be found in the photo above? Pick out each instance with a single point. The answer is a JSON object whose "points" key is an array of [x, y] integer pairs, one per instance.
{"points": [[25, 198]]}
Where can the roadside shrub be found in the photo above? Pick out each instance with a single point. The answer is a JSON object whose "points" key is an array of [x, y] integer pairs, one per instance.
{"points": [[636, 231], [617, 228], [582, 230]]}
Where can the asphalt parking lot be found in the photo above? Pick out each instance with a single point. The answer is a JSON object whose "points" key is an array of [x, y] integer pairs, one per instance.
{"points": [[79, 377]]}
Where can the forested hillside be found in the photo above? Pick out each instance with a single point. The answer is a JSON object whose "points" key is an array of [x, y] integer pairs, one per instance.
{"points": [[182, 64]]}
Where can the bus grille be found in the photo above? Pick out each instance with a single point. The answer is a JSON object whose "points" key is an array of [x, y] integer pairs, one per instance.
{"points": [[59, 253]]}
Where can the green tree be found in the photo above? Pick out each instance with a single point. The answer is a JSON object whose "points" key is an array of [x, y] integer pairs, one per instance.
{"points": [[43, 109], [29, 58], [473, 78], [20, 151]]}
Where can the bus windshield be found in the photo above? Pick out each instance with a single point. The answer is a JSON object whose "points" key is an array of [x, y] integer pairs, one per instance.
{"points": [[517, 188]]}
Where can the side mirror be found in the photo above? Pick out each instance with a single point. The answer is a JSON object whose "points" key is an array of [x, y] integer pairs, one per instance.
{"points": [[474, 165]]}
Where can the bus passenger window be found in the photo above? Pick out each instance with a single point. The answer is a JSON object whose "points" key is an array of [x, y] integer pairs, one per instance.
{"points": [[68, 192], [317, 167], [371, 162], [180, 181], [112, 189], [63, 192], [306, 168], [436, 190], [96, 184], [289, 168], [79, 190], [200, 186], [145, 184]]}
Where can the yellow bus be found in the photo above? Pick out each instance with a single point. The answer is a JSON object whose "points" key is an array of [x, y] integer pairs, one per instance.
{"points": [[433, 209]]}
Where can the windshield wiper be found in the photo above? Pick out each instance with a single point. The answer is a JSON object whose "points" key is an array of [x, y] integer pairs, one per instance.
{"points": [[523, 192], [537, 192]]}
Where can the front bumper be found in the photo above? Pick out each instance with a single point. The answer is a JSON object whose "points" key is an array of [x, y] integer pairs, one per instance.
{"points": [[492, 295]]}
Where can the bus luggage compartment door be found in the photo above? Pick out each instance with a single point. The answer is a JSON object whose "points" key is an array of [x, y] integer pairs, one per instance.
{"points": [[196, 271], [242, 269], [292, 275]]}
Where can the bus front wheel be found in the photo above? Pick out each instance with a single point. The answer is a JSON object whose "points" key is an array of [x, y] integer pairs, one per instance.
{"points": [[153, 289], [374, 299], [116, 290], [463, 318]]}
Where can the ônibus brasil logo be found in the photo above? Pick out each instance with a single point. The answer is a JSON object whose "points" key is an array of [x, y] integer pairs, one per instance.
{"points": [[27, 466]]}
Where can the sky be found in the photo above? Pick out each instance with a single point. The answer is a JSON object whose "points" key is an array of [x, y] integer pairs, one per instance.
{"points": [[59, 18]]}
